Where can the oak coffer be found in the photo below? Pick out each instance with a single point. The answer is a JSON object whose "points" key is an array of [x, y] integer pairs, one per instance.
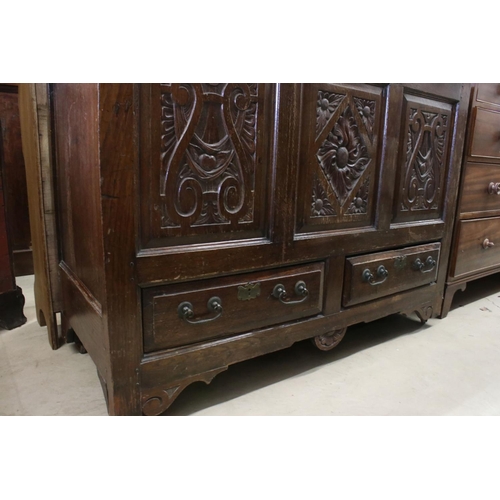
{"points": [[204, 224]]}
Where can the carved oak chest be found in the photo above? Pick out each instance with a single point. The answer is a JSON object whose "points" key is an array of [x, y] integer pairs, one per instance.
{"points": [[205, 224]]}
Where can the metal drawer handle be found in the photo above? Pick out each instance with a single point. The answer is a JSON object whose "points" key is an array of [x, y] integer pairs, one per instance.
{"points": [[494, 188], [301, 290], [185, 311], [368, 276], [488, 244], [430, 263]]}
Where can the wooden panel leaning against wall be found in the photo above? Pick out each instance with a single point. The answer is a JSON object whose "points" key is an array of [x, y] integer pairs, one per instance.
{"points": [[187, 212], [15, 191]]}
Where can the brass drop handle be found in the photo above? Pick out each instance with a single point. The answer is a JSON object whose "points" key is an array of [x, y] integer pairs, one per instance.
{"points": [[425, 267], [494, 188], [186, 312], [279, 292], [368, 276], [488, 244]]}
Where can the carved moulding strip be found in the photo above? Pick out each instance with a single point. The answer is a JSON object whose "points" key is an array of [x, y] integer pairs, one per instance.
{"points": [[158, 400], [208, 154]]}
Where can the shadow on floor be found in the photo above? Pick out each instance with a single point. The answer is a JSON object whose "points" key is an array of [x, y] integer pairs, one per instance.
{"points": [[248, 376], [477, 290]]}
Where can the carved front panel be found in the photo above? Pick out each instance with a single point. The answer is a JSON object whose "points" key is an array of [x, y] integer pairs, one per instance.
{"points": [[423, 160], [338, 161], [208, 147]]}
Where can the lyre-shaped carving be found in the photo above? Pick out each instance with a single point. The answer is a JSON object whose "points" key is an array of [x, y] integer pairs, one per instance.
{"points": [[208, 153], [427, 134]]}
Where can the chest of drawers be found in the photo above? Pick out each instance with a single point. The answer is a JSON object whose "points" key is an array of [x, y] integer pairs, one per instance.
{"points": [[476, 242]]}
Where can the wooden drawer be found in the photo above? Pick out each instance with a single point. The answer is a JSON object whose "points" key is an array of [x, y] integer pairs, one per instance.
{"points": [[376, 275], [485, 142], [475, 250], [489, 93], [481, 191], [247, 303]]}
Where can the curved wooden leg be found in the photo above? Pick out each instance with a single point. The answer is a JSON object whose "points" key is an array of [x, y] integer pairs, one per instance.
{"points": [[448, 297], [330, 340], [158, 400]]}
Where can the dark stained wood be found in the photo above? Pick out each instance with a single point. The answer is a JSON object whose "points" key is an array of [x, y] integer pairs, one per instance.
{"points": [[166, 374], [373, 276], [191, 191], [37, 149], [474, 252], [485, 142], [478, 245], [11, 296], [122, 312], [449, 295], [481, 191], [489, 93], [78, 181], [14, 177], [163, 328]]}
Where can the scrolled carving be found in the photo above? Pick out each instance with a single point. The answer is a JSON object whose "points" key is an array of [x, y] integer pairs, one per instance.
{"points": [[208, 147], [156, 401], [424, 313], [425, 155], [343, 156], [330, 340]]}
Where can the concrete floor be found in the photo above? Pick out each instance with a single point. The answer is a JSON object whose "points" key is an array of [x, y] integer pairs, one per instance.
{"points": [[394, 366]]}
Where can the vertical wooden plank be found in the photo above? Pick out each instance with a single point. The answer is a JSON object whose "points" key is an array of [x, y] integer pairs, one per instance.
{"points": [[118, 161], [35, 130]]}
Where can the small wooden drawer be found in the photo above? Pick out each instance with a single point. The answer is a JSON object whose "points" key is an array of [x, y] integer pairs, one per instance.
{"points": [[485, 142], [376, 275], [478, 246], [481, 188], [178, 315], [489, 93]]}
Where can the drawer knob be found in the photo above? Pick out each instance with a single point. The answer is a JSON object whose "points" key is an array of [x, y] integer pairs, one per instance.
{"points": [[186, 312], [279, 292], [425, 267], [368, 276], [488, 244], [494, 188]]}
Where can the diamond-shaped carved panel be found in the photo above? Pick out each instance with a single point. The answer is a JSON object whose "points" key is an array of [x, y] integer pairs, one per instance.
{"points": [[339, 167], [343, 156]]}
